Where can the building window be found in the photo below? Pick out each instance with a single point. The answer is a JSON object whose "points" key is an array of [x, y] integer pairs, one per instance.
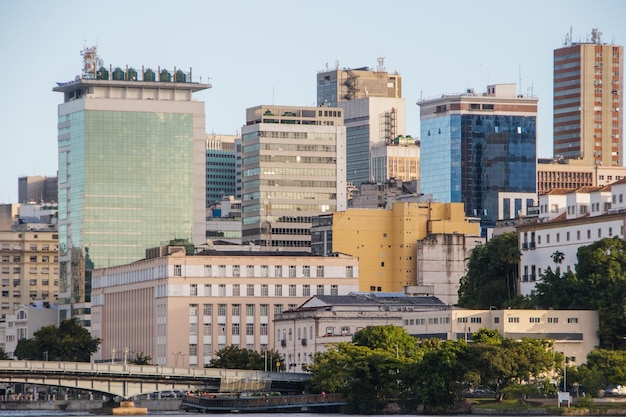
{"points": [[330, 331], [221, 329], [208, 290], [334, 289], [193, 328], [236, 290], [534, 320], [320, 290], [208, 309], [193, 310], [207, 329], [264, 310], [265, 271], [250, 271], [292, 290], [221, 289], [349, 271], [250, 310], [264, 290], [553, 320], [250, 329], [221, 310], [250, 290], [221, 270], [278, 308], [278, 291], [235, 329], [263, 329], [588, 233], [178, 270], [306, 271], [236, 271], [193, 289], [513, 319], [306, 290], [320, 271], [292, 271], [345, 331], [572, 320], [278, 271]]}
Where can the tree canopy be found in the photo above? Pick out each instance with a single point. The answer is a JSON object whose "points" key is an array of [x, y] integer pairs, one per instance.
{"points": [[598, 284], [69, 342], [235, 357], [491, 277], [429, 373]]}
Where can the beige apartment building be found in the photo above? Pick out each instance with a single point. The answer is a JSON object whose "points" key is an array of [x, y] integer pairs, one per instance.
{"points": [[28, 268], [327, 319], [179, 308]]}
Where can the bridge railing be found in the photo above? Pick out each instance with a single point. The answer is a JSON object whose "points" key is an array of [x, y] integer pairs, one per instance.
{"points": [[145, 370]]}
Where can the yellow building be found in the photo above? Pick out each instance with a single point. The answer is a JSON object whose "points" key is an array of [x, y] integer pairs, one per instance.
{"points": [[386, 241]]}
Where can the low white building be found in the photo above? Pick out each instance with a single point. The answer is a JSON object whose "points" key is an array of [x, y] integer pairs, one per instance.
{"points": [[324, 319], [308, 329], [568, 220]]}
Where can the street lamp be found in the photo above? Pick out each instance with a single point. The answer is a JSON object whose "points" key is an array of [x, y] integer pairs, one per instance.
{"points": [[113, 355], [125, 356]]}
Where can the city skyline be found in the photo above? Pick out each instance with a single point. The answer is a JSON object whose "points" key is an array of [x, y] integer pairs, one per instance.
{"points": [[269, 53]]}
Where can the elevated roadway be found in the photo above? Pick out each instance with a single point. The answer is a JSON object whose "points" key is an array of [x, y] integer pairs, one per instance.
{"points": [[131, 380]]}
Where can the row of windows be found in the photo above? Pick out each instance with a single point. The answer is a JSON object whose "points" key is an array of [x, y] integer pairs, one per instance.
{"points": [[33, 247], [32, 259], [238, 271], [535, 320], [207, 309], [250, 290], [568, 236]]}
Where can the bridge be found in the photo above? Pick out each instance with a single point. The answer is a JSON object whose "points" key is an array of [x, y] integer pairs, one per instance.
{"points": [[131, 380]]}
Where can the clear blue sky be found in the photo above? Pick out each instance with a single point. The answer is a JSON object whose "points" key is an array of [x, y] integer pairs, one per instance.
{"points": [[263, 52]]}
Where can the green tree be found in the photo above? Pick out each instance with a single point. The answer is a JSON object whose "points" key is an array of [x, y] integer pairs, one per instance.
{"points": [[368, 378], [3, 355], [235, 357], [69, 342], [390, 338], [141, 359], [437, 380], [602, 270], [491, 277]]}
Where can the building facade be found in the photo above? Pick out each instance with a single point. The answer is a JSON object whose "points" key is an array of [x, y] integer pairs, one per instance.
{"points": [[474, 146], [131, 170], [37, 189], [374, 111], [220, 167], [175, 306], [569, 219], [589, 101], [386, 241], [323, 320], [293, 168], [568, 173], [302, 332], [24, 322], [399, 160], [28, 267]]}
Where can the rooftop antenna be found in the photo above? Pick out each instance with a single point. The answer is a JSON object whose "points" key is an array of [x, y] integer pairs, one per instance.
{"points": [[381, 64]]}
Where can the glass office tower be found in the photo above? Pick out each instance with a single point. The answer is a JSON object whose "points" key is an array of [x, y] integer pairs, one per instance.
{"points": [[474, 147], [131, 173]]}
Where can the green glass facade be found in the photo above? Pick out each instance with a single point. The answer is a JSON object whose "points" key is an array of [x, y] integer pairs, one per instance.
{"points": [[126, 179]]}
